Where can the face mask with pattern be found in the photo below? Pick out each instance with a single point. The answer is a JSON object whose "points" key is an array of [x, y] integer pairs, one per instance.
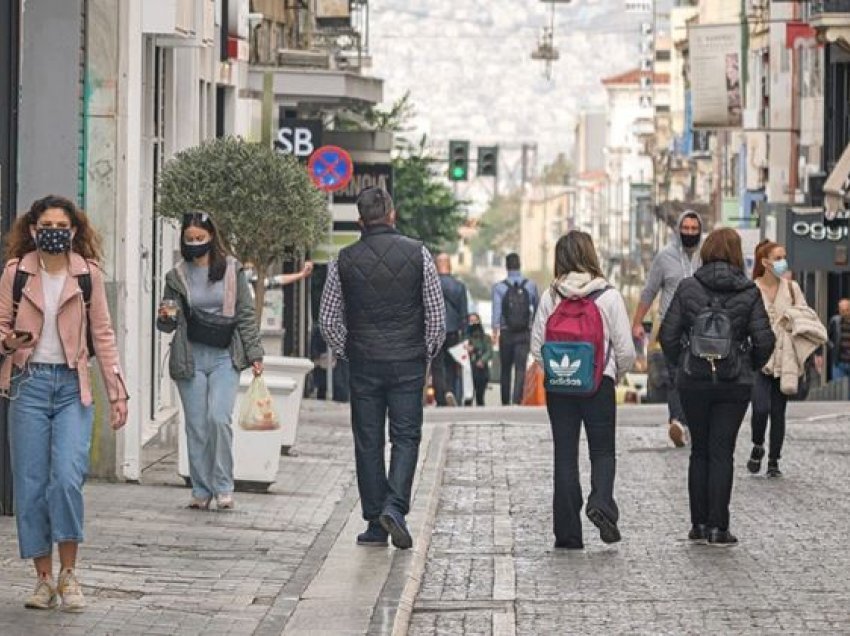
{"points": [[53, 240]]}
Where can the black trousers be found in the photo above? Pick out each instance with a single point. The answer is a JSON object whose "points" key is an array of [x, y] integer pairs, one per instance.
{"points": [[381, 391], [445, 369], [769, 402], [714, 418], [513, 358], [480, 380], [599, 416], [674, 401]]}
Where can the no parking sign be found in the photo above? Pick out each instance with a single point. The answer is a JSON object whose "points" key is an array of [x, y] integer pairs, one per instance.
{"points": [[330, 168]]}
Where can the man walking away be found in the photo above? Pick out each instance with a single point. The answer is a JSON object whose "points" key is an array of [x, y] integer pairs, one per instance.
{"points": [[678, 260], [514, 303], [445, 368], [382, 309], [839, 341]]}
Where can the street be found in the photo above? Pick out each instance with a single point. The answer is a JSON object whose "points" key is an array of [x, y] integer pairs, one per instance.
{"points": [[285, 562]]}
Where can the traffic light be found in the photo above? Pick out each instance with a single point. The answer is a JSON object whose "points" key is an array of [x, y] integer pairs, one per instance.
{"points": [[488, 161], [458, 160]]}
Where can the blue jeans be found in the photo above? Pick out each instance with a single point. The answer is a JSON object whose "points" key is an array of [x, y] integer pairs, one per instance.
{"points": [[840, 370], [208, 400], [49, 439], [378, 390]]}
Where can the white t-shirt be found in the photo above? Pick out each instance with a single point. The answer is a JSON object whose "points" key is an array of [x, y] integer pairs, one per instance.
{"points": [[49, 348]]}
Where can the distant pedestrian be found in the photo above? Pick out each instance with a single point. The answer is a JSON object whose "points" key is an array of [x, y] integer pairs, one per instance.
{"points": [[717, 335], [514, 303], [582, 313], [778, 380], [445, 368], [839, 341], [480, 354], [382, 309], [215, 338], [677, 261], [54, 315]]}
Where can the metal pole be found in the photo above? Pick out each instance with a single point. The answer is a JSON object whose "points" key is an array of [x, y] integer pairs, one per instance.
{"points": [[329, 393]]}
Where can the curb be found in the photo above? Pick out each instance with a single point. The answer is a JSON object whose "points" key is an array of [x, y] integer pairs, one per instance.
{"points": [[407, 601]]}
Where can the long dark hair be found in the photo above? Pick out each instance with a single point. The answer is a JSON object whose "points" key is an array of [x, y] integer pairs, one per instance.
{"points": [[218, 250], [575, 252], [86, 241]]}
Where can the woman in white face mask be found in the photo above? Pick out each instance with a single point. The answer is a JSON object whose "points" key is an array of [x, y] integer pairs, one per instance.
{"points": [[769, 403]]}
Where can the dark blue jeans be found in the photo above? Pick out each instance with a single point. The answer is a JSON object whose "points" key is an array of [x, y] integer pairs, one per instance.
{"points": [[380, 390]]}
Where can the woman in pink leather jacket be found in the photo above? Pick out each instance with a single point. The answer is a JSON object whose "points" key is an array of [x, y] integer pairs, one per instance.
{"points": [[46, 323]]}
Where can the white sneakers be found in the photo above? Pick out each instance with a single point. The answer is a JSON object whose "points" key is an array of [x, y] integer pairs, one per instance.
{"points": [[70, 591], [46, 596]]}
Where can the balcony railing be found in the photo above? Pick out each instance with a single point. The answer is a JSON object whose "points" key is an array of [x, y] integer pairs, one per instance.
{"points": [[825, 13]]}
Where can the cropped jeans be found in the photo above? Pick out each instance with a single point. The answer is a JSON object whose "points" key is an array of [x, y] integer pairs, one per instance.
{"points": [[208, 400], [49, 438]]}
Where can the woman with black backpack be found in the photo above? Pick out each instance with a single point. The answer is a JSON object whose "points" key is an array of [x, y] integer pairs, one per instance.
{"points": [[582, 338], [718, 335]]}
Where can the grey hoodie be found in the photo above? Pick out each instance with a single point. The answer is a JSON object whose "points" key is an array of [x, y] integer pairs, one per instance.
{"points": [[669, 267], [618, 335]]}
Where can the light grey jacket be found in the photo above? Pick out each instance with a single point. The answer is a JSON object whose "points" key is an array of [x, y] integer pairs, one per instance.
{"points": [[615, 318], [245, 347], [669, 267]]}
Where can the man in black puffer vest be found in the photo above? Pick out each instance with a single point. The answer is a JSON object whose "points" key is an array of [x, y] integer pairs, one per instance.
{"points": [[382, 309]]}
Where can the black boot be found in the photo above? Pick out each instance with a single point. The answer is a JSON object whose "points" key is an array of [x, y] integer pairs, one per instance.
{"points": [[773, 468], [754, 465]]}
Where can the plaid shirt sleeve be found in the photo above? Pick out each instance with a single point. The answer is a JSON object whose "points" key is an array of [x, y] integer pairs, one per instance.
{"points": [[332, 312], [435, 308]]}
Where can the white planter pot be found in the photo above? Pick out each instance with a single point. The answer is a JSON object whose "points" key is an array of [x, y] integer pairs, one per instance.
{"points": [[256, 454]]}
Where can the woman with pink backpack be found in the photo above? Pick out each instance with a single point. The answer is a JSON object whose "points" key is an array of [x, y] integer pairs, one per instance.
{"points": [[582, 339]]}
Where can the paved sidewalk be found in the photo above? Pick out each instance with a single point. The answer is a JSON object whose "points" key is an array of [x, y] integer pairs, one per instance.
{"points": [[151, 566], [491, 568]]}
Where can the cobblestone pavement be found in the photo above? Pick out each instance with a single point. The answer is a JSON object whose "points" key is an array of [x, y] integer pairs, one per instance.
{"points": [[151, 566], [491, 567]]}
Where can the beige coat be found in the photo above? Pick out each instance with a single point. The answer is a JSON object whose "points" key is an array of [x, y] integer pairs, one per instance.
{"points": [[799, 332]]}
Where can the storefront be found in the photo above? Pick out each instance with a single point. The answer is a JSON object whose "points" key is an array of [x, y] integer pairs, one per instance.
{"points": [[10, 12]]}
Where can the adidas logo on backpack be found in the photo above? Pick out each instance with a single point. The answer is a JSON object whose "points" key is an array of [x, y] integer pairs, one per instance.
{"points": [[574, 352]]}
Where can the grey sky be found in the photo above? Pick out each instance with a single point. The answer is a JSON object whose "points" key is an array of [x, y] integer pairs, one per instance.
{"points": [[469, 69]]}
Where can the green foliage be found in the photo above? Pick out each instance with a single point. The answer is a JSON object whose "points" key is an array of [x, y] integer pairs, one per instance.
{"points": [[264, 203], [396, 119], [427, 208], [558, 172], [498, 228]]}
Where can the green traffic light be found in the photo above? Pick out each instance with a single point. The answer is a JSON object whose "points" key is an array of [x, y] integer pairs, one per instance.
{"points": [[458, 172]]}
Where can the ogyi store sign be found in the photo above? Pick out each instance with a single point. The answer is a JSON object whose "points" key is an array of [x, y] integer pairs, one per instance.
{"points": [[818, 231]]}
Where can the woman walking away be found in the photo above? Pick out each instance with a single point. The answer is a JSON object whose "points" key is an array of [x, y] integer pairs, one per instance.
{"points": [[208, 304], [717, 333], [53, 317], [583, 341], [480, 354], [787, 310]]}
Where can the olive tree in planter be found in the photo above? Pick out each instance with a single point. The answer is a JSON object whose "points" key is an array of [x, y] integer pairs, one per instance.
{"points": [[264, 203]]}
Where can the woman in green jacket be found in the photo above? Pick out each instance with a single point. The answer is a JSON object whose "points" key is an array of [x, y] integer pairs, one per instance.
{"points": [[480, 354], [207, 303]]}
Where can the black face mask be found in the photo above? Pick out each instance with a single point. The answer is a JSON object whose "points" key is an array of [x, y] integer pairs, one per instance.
{"points": [[191, 251], [476, 330], [53, 240], [690, 240]]}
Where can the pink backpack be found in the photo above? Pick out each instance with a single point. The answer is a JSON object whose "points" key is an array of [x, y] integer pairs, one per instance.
{"points": [[574, 356]]}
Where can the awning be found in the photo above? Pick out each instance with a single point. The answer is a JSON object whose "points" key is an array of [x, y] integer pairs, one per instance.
{"points": [[317, 87], [836, 185]]}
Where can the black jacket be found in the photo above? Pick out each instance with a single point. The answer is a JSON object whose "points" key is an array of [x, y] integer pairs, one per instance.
{"points": [[454, 294], [744, 304], [382, 278]]}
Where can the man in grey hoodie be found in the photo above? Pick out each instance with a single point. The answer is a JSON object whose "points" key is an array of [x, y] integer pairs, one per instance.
{"points": [[680, 259]]}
